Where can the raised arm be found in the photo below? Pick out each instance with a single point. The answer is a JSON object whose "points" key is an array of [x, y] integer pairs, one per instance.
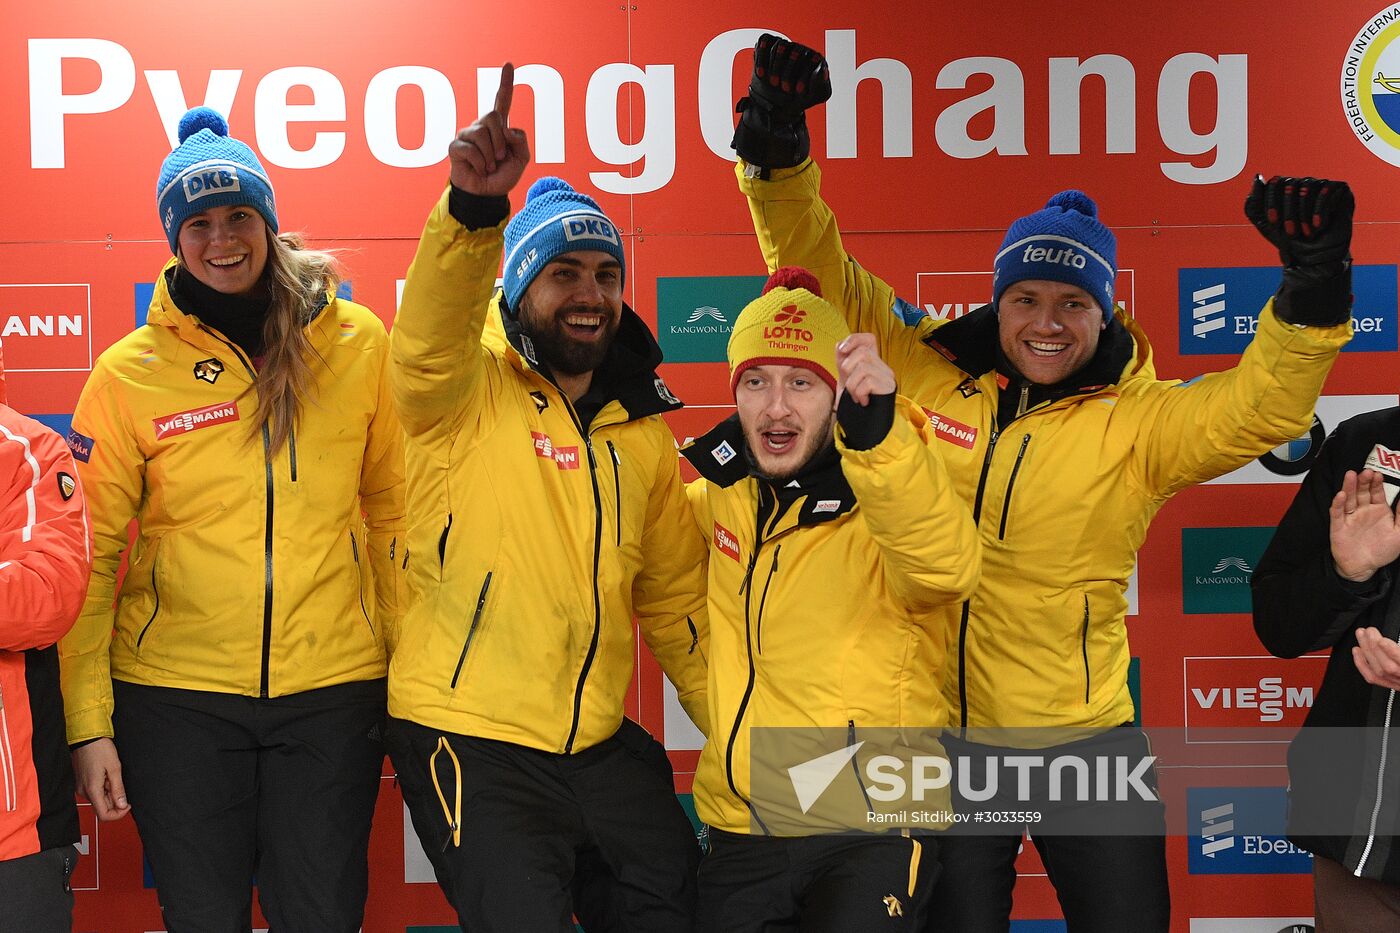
{"points": [[927, 540], [795, 227], [1221, 421], [436, 340]]}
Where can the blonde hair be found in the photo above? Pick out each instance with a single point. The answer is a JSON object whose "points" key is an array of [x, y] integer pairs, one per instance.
{"points": [[298, 280]]}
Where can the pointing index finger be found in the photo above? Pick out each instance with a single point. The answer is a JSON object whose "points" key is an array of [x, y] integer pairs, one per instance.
{"points": [[505, 91]]}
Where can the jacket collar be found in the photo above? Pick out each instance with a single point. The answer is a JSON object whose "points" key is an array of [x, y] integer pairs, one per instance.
{"points": [[819, 490], [627, 374], [164, 312]]}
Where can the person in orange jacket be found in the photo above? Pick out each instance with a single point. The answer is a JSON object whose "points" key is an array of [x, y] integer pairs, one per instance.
{"points": [[45, 558]]}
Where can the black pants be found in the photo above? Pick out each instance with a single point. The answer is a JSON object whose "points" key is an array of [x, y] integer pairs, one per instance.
{"points": [[227, 787], [816, 884], [34, 893], [530, 826], [1106, 880]]}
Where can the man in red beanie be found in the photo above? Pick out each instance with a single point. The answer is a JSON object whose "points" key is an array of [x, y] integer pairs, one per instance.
{"points": [[839, 553]]}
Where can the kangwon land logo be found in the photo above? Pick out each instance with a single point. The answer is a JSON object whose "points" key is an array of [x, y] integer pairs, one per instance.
{"points": [[695, 314]]}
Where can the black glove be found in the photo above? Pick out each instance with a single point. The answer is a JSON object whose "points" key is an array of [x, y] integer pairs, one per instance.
{"points": [[865, 426], [1309, 220], [787, 79]]}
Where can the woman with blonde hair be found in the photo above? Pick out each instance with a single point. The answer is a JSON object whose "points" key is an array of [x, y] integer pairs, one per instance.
{"points": [[230, 694]]}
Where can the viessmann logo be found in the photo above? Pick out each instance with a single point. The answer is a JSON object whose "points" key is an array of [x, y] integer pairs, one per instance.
{"points": [[565, 458], [1247, 692], [46, 328], [695, 314], [1370, 85], [185, 421]]}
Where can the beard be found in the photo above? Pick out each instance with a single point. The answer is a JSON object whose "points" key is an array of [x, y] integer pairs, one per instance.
{"points": [[778, 471], [562, 352]]}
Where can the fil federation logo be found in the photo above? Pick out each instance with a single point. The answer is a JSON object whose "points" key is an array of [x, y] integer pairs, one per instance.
{"points": [[1370, 85]]}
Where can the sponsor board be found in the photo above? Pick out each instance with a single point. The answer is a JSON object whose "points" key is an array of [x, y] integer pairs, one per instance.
{"points": [[695, 314], [1290, 462], [1228, 693], [1216, 567], [1219, 307], [1240, 831], [46, 328]]}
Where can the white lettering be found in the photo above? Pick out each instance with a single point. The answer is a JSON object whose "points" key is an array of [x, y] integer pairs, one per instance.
{"points": [[272, 113], [657, 146], [1006, 98], [547, 87], [1229, 137], [1120, 113], [171, 102], [382, 115], [897, 94], [48, 105], [715, 92]]}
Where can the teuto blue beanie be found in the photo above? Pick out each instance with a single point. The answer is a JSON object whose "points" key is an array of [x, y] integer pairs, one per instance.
{"points": [[1063, 242]]}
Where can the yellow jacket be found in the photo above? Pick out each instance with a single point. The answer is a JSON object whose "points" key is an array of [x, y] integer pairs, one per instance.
{"points": [[248, 575], [830, 613], [534, 543], [1064, 492]]}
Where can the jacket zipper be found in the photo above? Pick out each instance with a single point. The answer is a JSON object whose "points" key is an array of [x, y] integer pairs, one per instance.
{"points": [[597, 556], [967, 603], [471, 630], [855, 765], [694, 634], [617, 491], [292, 450], [745, 587], [758, 634], [1084, 647], [359, 575], [1010, 484], [1380, 783], [7, 761], [267, 573], [142, 637], [267, 537]]}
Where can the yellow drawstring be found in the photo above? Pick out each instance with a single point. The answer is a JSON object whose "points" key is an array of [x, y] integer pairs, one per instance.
{"points": [[454, 816]]}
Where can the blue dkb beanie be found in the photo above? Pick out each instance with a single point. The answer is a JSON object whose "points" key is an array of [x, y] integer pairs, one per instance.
{"points": [[556, 219], [209, 169], [1064, 242]]}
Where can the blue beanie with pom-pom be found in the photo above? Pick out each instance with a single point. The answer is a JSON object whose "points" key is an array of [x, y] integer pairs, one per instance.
{"points": [[209, 169], [555, 220], [1063, 242]]}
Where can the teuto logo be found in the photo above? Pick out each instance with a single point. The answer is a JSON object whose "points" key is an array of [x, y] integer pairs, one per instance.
{"points": [[185, 421], [725, 541]]}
